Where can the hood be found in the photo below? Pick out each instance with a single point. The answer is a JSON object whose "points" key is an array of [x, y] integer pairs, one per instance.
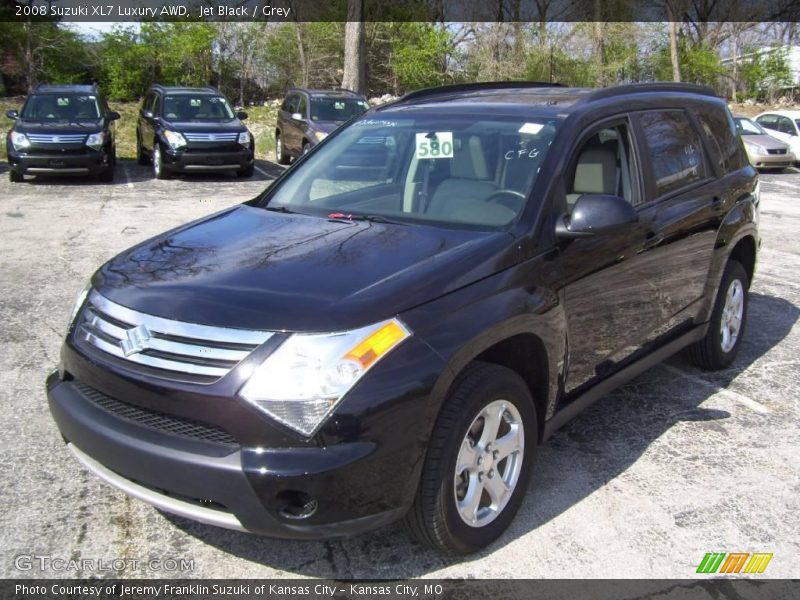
{"points": [[766, 141], [234, 125], [252, 268], [54, 127]]}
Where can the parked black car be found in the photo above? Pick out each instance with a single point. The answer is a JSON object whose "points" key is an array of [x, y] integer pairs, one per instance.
{"points": [[62, 130], [187, 130], [393, 327], [307, 117]]}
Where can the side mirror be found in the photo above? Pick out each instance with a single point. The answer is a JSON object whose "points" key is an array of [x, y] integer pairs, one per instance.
{"points": [[297, 117], [148, 114], [596, 214], [12, 114], [241, 115], [113, 115]]}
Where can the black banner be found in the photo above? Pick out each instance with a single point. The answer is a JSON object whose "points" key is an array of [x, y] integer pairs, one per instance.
{"points": [[403, 10], [432, 589]]}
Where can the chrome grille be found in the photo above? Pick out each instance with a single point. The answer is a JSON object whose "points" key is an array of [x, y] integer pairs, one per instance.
{"points": [[777, 151], [211, 137], [167, 348], [62, 138]]}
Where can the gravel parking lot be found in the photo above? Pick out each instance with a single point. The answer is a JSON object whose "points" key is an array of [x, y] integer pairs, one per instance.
{"points": [[675, 464]]}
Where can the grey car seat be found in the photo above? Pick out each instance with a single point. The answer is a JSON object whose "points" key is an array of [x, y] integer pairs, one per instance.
{"points": [[595, 173]]}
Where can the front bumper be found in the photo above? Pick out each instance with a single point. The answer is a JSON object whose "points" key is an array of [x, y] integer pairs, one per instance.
{"points": [[771, 161], [212, 482], [57, 163], [191, 161]]}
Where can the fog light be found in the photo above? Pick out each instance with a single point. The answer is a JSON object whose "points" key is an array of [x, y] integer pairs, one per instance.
{"points": [[294, 504]]}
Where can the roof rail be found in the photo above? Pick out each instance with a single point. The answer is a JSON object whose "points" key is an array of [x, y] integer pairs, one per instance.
{"points": [[644, 88], [163, 88], [483, 85]]}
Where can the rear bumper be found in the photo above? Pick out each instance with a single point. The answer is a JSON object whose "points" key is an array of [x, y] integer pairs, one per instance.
{"points": [[214, 483], [55, 163], [189, 162]]}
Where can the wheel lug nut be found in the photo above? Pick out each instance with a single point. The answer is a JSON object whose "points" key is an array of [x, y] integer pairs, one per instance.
{"points": [[480, 476], [491, 473], [495, 454], [480, 460]]}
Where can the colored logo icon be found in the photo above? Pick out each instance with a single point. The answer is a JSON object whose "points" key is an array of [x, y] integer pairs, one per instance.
{"points": [[734, 562]]}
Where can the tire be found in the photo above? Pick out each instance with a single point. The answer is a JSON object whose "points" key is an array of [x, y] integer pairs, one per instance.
{"points": [[305, 149], [720, 345], [15, 177], [141, 157], [159, 171], [280, 151], [248, 172], [436, 518]]}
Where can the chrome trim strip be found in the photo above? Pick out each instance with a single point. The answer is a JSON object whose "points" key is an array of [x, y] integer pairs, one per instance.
{"points": [[211, 167], [154, 361], [179, 328], [181, 508], [211, 137], [44, 170]]}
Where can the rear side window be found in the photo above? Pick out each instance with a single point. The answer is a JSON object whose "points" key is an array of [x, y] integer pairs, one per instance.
{"points": [[768, 121], [720, 131], [302, 106], [674, 150]]}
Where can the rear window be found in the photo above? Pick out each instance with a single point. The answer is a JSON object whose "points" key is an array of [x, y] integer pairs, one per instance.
{"points": [[720, 131], [674, 148]]}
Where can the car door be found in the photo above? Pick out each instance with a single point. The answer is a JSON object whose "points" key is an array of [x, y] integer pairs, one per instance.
{"points": [[689, 199], [289, 129], [146, 125], [610, 294], [302, 122]]}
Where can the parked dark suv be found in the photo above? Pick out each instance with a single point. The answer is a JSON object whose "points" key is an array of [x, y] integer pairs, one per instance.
{"points": [[393, 327], [192, 130], [307, 117], [62, 130]]}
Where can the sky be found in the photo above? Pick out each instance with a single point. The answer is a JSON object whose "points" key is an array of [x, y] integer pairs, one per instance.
{"points": [[95, 29]]}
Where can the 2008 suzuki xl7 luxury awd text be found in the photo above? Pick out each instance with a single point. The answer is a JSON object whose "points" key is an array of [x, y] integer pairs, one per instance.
{"points": [[397, 323]]}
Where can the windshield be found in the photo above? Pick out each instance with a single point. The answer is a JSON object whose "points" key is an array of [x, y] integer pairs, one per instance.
{"points": [[186, 107], [336, 109], [748, 127], [446, 169], [58, 107]]}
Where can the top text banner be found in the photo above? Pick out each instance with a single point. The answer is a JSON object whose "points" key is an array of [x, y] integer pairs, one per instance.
{"points": [[401, 10]]}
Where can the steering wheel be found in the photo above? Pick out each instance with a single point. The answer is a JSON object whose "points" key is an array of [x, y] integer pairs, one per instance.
{"points": [[511, 199]]}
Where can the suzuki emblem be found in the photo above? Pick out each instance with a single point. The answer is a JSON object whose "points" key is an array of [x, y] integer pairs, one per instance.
{"points": [[56, 138], [212, 137], [137, 340]]}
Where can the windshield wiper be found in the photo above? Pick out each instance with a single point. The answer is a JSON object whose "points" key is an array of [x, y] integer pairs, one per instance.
{"points": [[370, 218], [280, 209]]}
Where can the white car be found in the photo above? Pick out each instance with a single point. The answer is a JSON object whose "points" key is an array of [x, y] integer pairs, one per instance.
{"points": [[784, 125]]}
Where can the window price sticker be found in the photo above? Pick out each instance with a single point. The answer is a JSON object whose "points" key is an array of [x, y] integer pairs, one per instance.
{"points": [[438, 144]]}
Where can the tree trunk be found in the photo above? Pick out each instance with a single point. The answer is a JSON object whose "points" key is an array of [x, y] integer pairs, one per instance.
{"points": [[299, 29], [355, 64], [673, 44], [735, 61]]}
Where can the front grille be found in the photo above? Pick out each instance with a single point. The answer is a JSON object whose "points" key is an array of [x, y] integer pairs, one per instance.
{"points": [[61, 138], [173, 350], [777, 151], [155, 420], [211, 137]]}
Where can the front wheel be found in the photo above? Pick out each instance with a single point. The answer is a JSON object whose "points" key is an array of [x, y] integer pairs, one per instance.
{"points": [[725, 330], [478, 464], [280, 151], [159, 172], [15, 177], [246, 172]]}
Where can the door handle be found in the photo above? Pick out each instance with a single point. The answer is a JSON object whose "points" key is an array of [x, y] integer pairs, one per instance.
{"points": [[716, 203]]}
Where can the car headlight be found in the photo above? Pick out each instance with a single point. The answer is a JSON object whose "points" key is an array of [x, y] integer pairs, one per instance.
{"points": [[20, 141], [244, 138], [79, 300], [755, 148], [302, 382], [174, 139], [95, 140], [320, 135]]}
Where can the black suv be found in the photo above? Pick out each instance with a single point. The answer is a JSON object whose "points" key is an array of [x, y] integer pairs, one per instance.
{"points": [[192, 130], [393, 327], [307, 117], [62, 130]]}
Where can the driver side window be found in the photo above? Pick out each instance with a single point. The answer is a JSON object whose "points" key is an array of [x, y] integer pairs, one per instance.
{"points": [[603, 165]]}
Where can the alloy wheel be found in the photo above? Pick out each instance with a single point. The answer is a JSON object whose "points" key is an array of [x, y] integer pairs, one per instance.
{"points": [[731, 319]]}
